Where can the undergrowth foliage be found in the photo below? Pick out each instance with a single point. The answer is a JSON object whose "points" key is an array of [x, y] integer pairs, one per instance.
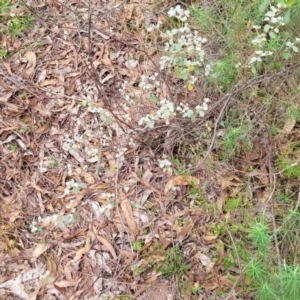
{"points": [[235, 43]]}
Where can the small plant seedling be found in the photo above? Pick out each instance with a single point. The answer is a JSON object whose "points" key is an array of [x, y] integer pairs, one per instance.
{"points": [[137, 246], [174, 262], [52, 163], [18, 24], [78, 187], [13, 147], [3, 53]]}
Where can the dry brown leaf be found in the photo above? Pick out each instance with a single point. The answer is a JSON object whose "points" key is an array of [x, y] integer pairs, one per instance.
{"points": [[76, 155], [35, 186], [209, 238], [67, 283], [7, 129], [288, 126], [46, 51], [127, 210], [185, 230], [108, 245], [39, 249], [31, 63], [43, 129], [230, 181], [89, 179], [206, 261], [107, 62], [85, 249], [49, 82], [210, 285], [9, 199], [220, 203], [14, 215], [181, 180], [7, 67], [38, 5], [77, 294], [42, 110], [5, 98], [264, 178], [51, 266], [128, 10], [111, 163]]}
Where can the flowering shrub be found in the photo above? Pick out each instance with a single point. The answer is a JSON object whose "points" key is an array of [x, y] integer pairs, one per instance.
{"points": [[184, 50], [274, 21]]}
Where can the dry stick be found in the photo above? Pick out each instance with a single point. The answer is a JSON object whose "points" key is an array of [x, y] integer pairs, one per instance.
{"points": [[228, 97]]}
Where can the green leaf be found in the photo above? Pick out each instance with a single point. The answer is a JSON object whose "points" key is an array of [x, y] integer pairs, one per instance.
{"points": [[286, 17], [82, 185], [150, 124], [264, 6], [287, 55]]}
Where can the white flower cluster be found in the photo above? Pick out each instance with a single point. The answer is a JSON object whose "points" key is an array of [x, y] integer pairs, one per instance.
{"points": [[166, 111], [42, 167], [108, 196], [201, 109], [120, 154], [105, 116], [179, 13], [274, 20], [151, 86], [258, 56], [184, 53], [292, 46], [152, 26], [131, 142], [184, 48], [185, 111], [59, 220], [150, 83], [165, 165], [92, 154], [73, 186], [127, 95]]}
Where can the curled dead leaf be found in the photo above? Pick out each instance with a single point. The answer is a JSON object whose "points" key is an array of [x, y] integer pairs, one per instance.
{"points": [[9, 199], [181, 180], [67, 283], [127, 210], [5, 98], [49, 82], [206, 261], [108, 245], [85, 249], [14, 215], [89, 179], [30, 57], [209, 238], [39, 249], [288, 126]]}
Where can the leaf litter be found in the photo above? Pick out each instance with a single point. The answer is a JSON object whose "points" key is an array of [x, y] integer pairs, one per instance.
{"points": [[85, 211]]}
